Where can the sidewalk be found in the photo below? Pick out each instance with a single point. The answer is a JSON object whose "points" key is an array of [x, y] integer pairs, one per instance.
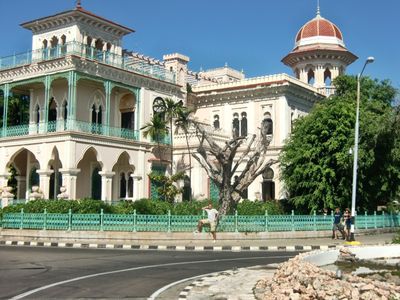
{"points": [[185, 241], [239, 284]]}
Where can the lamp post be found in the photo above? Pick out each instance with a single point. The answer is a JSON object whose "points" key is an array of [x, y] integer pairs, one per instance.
{"points": [[355, 161]]}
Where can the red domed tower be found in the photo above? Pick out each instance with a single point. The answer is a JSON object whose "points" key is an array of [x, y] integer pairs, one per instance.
{"points": [[319, 54]]}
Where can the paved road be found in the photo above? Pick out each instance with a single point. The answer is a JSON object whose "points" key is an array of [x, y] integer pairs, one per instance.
{"points": [[99, 273]]}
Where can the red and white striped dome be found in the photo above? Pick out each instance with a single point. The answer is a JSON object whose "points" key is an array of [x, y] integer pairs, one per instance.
{"points": [[319, 31]]}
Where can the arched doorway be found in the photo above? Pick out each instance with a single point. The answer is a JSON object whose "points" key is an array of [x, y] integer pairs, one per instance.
{"points": [[127, 110], [268, 185], [187, 190], [96, 184]]}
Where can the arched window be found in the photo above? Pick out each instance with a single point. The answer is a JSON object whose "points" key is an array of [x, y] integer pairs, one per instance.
{"points": [[100, 116], [122, 186], [243, 124], [63, 43], [216, 122], [45, 53], [327, 77], [89, 49], [235, 125], [268, 185], [53, 46], [130, 185], [52, 116], [99, 45], [310, 77], [267, 125]]}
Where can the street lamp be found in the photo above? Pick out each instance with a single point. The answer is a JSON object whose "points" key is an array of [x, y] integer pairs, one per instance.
{"points": [[356, 129]]}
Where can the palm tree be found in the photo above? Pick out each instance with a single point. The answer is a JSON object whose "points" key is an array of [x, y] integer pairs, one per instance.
{"points": [[171, 109], [183, 122], [156, 129]]}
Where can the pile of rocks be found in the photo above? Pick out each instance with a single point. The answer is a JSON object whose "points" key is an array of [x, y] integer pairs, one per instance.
{"points": [[299, 279]]}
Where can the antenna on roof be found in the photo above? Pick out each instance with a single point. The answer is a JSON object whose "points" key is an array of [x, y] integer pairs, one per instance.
{"points": [[78, 4], [318, 10]]}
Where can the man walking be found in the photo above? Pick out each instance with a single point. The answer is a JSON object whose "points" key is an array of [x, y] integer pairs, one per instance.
{"points": [[212, 218]]}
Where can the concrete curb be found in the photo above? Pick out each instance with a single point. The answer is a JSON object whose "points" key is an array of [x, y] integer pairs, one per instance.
{"points": [[54, 244]]}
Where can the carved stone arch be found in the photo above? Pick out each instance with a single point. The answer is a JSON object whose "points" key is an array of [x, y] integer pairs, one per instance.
{"points": [[54, 158], [123, 163], [95, 153], [127, 103], [25, 162], [97, 98]]}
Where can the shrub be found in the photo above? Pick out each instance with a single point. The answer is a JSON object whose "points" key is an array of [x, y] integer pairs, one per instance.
{"points": [[152, 207], [247, 207]]}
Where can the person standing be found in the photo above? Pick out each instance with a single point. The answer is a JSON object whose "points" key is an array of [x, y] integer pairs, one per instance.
{"points": [[212, 218], [337, 225], [347, 223]]}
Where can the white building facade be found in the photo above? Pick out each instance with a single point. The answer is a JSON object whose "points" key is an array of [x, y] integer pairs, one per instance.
{"points": [[88, 100]]}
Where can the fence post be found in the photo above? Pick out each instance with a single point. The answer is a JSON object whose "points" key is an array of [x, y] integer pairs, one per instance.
{"points": [[69, 219], [169, 220], [384, 219], [134, 220], [21, 225], [45, 219], [375, 226], [315, 220], [365, 220], [266, 220], [292, 220], [391, 219], [236, 221], [101, 219]]}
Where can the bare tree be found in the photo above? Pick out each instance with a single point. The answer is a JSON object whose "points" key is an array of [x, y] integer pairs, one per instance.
{"points": [[221, 164]]}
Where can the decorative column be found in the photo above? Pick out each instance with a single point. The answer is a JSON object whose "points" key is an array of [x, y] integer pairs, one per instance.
{"points": [[21, 187], [6, 93], [106, 185], [45, 109], [136, 188], [69, 181], [44, 181], [138, 112], [72, 79], [107, 112]]}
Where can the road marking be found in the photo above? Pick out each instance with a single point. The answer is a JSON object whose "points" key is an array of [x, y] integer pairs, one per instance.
{"points": [[28, 293]]}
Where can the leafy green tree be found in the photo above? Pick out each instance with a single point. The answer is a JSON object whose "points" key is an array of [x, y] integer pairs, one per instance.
{"points": [[168, 185], [316, 165]]}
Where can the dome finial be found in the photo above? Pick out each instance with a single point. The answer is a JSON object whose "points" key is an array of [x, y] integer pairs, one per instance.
{"points": [[78, 4], [318, 10]]}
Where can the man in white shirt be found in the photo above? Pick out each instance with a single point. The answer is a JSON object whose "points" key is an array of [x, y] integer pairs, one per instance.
{"points": [[212, 218]]}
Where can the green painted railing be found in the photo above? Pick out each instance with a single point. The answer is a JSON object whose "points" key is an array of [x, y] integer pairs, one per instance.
{"points": [[125, 61], [185, 223], [69, 125]]}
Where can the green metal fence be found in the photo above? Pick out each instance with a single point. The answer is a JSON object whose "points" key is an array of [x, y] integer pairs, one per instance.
{"points": [[186, 223]]}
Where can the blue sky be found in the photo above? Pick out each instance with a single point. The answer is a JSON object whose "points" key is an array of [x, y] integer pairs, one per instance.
{"points": [[253, 35]]}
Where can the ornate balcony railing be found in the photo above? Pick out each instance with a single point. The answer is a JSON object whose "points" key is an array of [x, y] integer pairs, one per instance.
{"points": [[69, 125], [125, 62]]}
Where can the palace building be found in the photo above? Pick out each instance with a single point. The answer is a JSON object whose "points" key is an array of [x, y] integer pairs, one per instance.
{"points": [[88, 99]]}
